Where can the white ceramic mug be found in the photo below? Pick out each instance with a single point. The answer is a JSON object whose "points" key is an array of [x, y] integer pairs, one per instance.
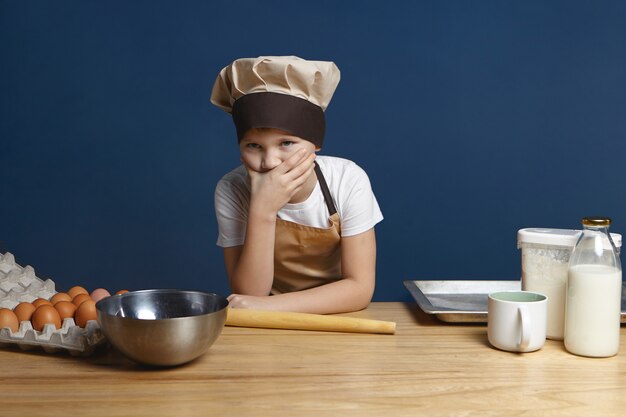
{"points": [[516, 320]]}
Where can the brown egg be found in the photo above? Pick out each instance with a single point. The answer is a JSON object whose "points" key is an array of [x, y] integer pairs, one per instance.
{"points": [[85, 312], [80, 298], [121, 292], [9, 319], [41, 301], [45, 314], [60, 296], [99, 293], [24, 311], [74, 291], [66, 309]]}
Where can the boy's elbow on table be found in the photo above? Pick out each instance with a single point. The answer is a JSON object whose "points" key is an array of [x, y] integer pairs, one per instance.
{"points": [[361, 294]]}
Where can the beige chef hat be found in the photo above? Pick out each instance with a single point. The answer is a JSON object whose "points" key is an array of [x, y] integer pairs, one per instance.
{"points": [[281, 92]]}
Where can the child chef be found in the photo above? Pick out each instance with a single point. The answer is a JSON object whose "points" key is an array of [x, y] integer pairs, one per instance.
{"points": [[297, 229]]}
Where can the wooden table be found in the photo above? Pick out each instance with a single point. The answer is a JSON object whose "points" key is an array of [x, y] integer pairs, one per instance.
{"points": [[427, 368]]}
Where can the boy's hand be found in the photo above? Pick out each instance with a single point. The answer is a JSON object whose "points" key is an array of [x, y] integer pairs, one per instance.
{"points": [[250, 302], [272, 189]]}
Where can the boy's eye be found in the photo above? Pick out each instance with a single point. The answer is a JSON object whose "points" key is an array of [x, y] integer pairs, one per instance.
{"points": [[253, 146], [287, 143]]}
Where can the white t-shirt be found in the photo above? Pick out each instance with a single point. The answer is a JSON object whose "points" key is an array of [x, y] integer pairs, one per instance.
{"points": [[349, 187]]}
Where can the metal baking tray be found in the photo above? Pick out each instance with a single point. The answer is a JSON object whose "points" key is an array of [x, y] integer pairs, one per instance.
{"points": [[465, 301]]}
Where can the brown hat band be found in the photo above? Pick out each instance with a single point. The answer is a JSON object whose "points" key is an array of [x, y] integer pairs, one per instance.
{"points": [[292, 114]]}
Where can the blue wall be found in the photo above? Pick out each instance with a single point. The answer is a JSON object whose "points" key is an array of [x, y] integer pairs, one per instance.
{"points": [[473, 119]]}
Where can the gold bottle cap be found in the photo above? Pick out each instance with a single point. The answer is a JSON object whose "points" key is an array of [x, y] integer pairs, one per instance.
{"points": [[596, 221]]}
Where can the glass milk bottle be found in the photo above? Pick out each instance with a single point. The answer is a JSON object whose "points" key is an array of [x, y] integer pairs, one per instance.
{"points": [[594, 285]]}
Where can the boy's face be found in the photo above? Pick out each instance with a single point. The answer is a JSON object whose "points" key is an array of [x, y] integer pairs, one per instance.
{"points": [[264, 149]]}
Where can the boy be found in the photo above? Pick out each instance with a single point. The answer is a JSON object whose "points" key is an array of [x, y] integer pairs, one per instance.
{"points": [[297, 229]]}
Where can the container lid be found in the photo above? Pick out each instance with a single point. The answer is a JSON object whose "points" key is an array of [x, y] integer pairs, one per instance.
{"points": [[556, 237]]}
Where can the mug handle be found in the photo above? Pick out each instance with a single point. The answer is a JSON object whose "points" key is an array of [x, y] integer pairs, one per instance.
{"points": [[525, 336]]}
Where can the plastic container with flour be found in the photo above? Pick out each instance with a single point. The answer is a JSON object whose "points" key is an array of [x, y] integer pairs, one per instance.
{"points": [[545, 259]]}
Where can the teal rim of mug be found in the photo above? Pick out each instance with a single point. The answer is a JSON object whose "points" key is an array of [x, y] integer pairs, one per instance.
{"points": [[518, 296]]}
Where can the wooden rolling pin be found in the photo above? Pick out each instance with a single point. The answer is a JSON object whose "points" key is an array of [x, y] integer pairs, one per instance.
{"points": [[303, 321]]}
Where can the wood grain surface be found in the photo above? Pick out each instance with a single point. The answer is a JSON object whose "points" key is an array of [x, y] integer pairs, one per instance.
{"points": [[427, 368], [303, 321]]}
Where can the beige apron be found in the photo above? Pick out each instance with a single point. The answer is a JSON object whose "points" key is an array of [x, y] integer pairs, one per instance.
{"points": [[306, 256]]}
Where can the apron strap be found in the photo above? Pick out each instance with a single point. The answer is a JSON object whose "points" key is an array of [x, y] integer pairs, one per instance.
{"points": [[324, 187]]}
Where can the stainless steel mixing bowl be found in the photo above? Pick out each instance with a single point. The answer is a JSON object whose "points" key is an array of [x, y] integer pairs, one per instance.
{"points": [[162, 327]]}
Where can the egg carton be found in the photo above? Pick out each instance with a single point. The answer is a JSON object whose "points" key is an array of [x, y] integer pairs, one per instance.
{"points": [[18, 284], [69, 338]]}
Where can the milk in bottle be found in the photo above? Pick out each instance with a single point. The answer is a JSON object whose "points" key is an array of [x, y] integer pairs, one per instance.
{"points": [[593, 301]]}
